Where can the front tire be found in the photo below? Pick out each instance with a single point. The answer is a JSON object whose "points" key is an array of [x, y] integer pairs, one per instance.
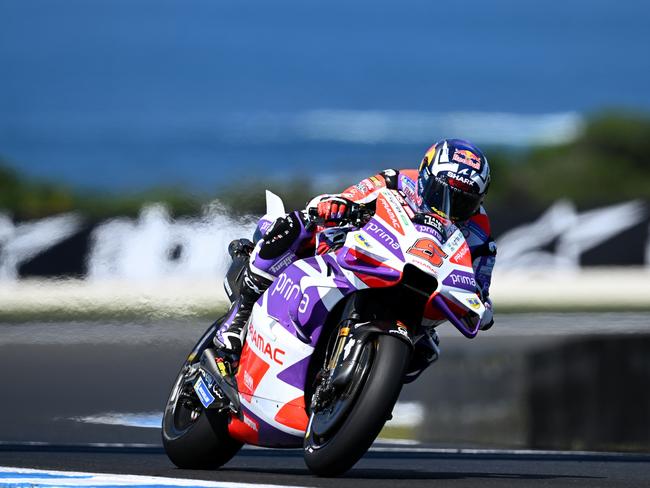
{"points": [[193, 437], [340, 451]]}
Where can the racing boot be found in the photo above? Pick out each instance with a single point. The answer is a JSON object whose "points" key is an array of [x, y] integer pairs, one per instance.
{"points": [[230, 344]]}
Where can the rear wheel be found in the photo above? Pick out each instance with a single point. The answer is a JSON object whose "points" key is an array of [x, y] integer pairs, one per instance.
{"points": [[341, 432], [195, 438]]}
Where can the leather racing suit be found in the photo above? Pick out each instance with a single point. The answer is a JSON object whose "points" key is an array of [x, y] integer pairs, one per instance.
{"points": [[290, 238]]}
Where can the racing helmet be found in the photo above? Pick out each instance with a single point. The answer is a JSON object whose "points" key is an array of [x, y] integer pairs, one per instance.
{"points": [[453, 178]]}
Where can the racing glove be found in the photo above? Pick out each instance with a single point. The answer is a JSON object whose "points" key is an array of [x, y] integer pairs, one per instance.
{"points": [[333, 208]]}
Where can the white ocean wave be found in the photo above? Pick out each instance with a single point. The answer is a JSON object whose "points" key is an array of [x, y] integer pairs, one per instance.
{"points": [[323, 125], [372, 127], [400, 127]]}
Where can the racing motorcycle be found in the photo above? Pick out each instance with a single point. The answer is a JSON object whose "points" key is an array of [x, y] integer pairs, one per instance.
{"points": [[330, 343]]}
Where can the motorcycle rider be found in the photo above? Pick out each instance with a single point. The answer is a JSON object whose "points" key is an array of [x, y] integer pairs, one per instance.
{"points": [[453, 165]]}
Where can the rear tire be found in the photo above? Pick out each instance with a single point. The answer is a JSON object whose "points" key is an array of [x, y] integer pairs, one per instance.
{"points": [[195, 438], [338, 453]]}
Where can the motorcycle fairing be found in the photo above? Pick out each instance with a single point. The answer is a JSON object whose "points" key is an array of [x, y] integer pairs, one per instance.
{"points": [[283, 331], [390, 232], [287, 320]]}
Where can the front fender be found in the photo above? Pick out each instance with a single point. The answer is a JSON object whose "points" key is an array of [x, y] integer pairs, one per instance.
{"points": [[357, 336], [363, 330]]}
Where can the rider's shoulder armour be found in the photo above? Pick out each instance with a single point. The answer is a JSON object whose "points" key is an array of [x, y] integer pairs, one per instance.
{"points": [[391, 178], [478, 234]]}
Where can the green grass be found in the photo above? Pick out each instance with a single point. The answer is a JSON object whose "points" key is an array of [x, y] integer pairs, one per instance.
{"points": [[112, 315], [607, 163], [406, 433]]}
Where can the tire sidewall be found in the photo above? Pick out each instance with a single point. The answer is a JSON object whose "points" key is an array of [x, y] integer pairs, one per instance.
{"points": [[367, 417], [204, 444]]}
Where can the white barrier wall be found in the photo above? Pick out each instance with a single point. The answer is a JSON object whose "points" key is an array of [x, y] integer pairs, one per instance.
{"points": [[593, 289], [155, 264]]}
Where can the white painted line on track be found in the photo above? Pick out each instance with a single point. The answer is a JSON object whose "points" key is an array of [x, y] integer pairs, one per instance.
{"points": [[93, 445], [22, 477], [397, 442], [501, 452], [380, 445]]}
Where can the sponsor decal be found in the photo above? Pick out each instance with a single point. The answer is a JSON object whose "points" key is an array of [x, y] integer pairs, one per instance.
{"points": [[460, 179], [376, 182], [461, 279], [407, 184], [386, 212], [286, 288], [304, 303], [362, 240], [462, 256], [405, 220], [407, 209], [428, 230], [248, 381], [364, 186], [414, 197], [408, 188], [427, 266], [222, 367], [264, 347], [475, 303], [265, 225], [203, 393], [351, 194], [284, 261], [382, 236], [251, 423], [463, 156], [433, 221], [398, 196], [252, 370], [455, 241]]}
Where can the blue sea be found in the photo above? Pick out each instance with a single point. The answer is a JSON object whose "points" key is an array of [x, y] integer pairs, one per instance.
{"points": [[130, 94]]}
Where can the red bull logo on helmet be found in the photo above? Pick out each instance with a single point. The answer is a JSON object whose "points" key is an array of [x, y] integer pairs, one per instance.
{"points": [[463, 156]]}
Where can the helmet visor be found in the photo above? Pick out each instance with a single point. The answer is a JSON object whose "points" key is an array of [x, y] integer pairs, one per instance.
{"points": [[457, 204]]}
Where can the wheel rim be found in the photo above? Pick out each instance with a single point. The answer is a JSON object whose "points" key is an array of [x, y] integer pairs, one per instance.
{"points": [[325, 422], [178, 418], [183, 408]]}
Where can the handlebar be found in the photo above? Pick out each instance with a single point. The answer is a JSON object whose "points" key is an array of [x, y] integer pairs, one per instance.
{"points": [[357, 215]]}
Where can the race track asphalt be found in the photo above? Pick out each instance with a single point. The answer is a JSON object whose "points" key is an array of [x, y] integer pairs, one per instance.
{"points": [[53, 374], [398, 466]]}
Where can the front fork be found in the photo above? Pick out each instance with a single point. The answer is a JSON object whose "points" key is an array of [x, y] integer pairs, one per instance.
{"points": [[343, 362]]}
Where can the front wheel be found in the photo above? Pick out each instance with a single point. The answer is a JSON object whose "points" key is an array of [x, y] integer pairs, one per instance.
{"points": [[195, 438], [382, 378]]}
